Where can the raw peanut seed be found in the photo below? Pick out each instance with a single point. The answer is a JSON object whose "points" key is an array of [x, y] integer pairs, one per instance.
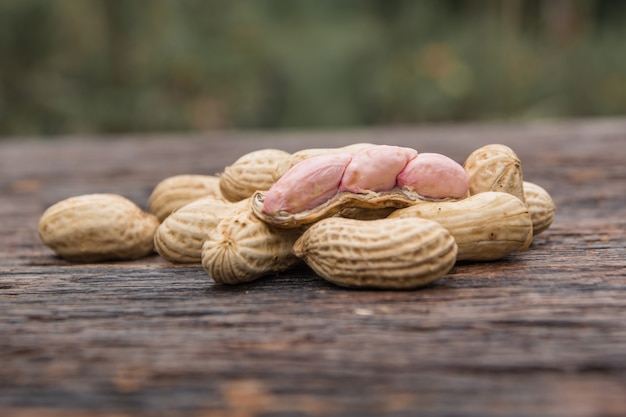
{"points": [[435, 176], [374, 172], [300, 156], [308, 184], [375, 168]]}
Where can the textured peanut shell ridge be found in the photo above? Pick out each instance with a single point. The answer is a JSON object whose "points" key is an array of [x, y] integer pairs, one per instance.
{"points": [[175, 192], [540, 205], [396, 198], [251, 172], [98, 227], [243, 248], [180, 236], [401, 253], [303, 154], [495, 168], [486, 226]]}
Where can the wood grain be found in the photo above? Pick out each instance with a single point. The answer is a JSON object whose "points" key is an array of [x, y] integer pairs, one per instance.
{"points": [[539, 333]]}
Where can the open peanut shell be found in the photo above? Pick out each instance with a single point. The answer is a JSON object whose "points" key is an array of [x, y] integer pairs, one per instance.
{"points": [[375, 201]]}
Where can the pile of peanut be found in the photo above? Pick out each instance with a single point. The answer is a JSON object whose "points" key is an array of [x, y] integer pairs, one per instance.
{"points": [[359, 216]]}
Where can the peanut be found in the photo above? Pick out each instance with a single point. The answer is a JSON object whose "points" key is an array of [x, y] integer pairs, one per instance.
{"points": [[308, 184], [540, 205], [397, 253], [251, 172], [375, 168], [361, 206], [243, 248], [180, 236], [288, 163], [435, 176], [495, 167], [319, 182], [485, 226], [175, 192], [98, 227]]}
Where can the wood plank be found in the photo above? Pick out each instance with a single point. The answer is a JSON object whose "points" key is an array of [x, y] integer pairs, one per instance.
{"points": [[539, 333]]}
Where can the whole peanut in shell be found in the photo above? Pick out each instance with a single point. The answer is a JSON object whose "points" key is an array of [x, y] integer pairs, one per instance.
{"points": [[400, 253], [485, 226], [243, 248], [98, 227], [540, 205], [251, 172], [177, 191], [495, 167], [180, 236]]}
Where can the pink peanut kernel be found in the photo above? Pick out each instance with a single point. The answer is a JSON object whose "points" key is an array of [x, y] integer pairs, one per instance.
{"points": [[307, 184], [375, 168], [433, 175]]}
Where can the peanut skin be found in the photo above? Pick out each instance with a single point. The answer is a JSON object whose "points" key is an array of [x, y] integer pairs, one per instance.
{"points": [[308, 184], [297, 157], [435, 176], [375, 168], [356, 205]]}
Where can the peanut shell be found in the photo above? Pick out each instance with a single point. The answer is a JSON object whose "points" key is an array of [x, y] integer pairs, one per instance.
{"points": [[495, 167], [486, 226], [98, 227], [251, 172], [243, 248], [540, 205], [396, 198], [180, 237], [399, 253], [175, 192]]}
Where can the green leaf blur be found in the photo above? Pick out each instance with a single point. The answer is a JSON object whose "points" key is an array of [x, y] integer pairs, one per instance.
{"points": [[107, 66]]}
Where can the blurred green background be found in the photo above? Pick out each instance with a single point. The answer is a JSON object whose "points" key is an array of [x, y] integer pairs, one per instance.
{"points": [[106, 66]]}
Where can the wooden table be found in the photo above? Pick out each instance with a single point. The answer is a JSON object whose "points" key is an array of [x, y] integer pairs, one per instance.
{"points": [[540, 333]]}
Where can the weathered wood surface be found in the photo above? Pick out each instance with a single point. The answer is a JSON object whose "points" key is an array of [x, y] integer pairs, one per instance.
{"points": [[541, 333]]}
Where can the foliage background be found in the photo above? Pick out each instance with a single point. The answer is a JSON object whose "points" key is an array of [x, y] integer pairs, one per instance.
{"points": [[103, 66]]}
